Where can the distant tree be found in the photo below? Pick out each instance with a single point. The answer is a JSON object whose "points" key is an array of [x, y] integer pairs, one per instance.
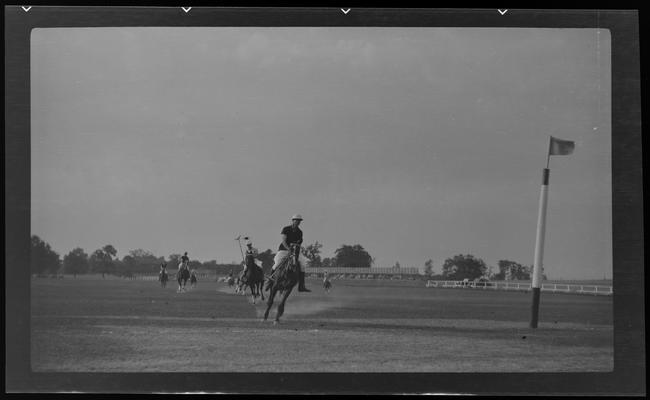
{"points": [[127, 266], [101, 261], [462, 267], [110, 250], [266, 257], [144, 261], [511, 270], [428, 267], [174, 260], [326, 263], [75, 262], [312, 253], [42, 258], [490, 272], [352, 257]]}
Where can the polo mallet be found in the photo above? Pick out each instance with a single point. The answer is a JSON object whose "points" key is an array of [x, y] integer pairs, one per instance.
{"points": [[238, 239]]}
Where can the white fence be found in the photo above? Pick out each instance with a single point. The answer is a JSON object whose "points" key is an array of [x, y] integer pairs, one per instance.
{"points": [[170, 274], [364, 271], [518, 286]]}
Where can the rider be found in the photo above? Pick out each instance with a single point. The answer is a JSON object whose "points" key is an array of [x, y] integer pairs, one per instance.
{"points": [[291, 234], [163, 268], [184, 261], [250, 255]]}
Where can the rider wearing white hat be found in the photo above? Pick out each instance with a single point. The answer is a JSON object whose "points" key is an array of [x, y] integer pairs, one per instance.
{"points": [[291, 234], [250, 255]]}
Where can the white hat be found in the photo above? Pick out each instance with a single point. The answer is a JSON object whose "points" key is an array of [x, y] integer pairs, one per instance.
{"points": [[297, 216]]}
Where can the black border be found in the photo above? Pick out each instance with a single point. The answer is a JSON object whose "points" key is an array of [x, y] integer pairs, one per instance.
{"points": [[628, 377]]}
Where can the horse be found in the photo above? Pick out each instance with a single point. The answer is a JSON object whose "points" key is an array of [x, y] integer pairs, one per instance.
{"points": [[286, 277], [327, 285], [163, 278], [193, 280], [254, 279], [182, 276]]}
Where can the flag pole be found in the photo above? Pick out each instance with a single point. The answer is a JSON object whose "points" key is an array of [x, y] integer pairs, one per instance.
{"points": [[539, 243], [548, 155]]}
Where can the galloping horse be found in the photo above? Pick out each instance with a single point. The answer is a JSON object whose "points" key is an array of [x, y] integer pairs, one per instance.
{"points": [[254, 279], [163, 278], [286, 276], [182, 276]]}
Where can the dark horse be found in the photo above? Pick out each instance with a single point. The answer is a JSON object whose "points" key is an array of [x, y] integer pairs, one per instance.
{"points": [[253, 278], [193, 280], [283, 280], [163, 278], [182, 276], [327, 285]]}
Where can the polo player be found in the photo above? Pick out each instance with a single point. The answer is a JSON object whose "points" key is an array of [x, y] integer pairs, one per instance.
{"points": [[292, 234], [250, 256], [185, 260]]}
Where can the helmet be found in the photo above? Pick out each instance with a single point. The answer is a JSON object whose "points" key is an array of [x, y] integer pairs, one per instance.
{"points": [[297, 216]]}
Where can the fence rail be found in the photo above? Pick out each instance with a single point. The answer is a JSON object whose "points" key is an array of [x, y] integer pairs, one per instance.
{"points": [[170, 275], [364, 271], [518, 286]]}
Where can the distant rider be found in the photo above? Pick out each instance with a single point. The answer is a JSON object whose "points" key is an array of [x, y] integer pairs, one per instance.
{"points": [[292, 234], [250, 256]]}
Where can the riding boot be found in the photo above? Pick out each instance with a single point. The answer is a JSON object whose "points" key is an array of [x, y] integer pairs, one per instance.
{"points": [[301, 282]]}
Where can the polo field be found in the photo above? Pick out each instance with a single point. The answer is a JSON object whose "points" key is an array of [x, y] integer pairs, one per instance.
{"points": [[92, 324]]}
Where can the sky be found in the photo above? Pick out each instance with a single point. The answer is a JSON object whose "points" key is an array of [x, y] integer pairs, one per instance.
{"points": [[416, 143]]}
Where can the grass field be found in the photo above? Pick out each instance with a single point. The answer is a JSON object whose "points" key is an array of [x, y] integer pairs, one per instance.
{"points": [[115, 325]]}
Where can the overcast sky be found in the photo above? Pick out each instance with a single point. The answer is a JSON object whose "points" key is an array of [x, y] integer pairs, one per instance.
{"points": [[417, 143]]}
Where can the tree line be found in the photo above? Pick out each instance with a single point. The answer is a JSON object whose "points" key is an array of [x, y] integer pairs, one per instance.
{"points": [[469, 267], [104, 261]]}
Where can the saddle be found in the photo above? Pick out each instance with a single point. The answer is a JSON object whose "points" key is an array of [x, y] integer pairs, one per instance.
{"points": [[281, 272]]}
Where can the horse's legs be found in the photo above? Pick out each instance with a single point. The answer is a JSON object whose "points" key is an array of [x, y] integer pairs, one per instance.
{"points": [[260, 289], [269, 303], [253, 294], [281, 305]]}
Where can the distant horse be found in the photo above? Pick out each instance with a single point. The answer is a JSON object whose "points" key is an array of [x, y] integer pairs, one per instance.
{"points": [[327, 285], [283, 280], [193, 280], [163, 278], [182, 276], [254, 279]]}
